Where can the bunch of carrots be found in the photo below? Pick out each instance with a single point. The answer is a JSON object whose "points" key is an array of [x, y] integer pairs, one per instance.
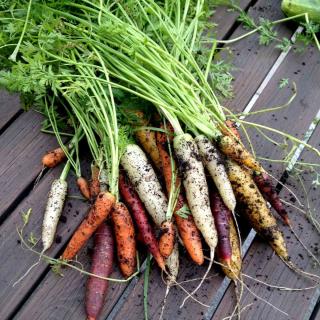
{"points": [[173, 170]]}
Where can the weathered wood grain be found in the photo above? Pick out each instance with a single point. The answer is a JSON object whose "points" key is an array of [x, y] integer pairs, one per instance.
{"points": [[9, 107], [248, 76], [14, 260], [263, 265], [22, 147]]}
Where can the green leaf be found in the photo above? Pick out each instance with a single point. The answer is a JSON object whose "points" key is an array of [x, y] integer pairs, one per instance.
{"points": [[26, 216], [283, 83], [184, 212], [284, 45]]}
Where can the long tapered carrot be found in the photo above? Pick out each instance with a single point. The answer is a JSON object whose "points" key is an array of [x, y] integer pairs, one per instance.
{"points": [[53, 158], [97, 214], [187, 229], [256, 210], [125, 239], [102, 260], [228, 249], [140, 216]]}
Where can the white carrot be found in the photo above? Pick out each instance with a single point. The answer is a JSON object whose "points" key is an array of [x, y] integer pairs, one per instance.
{"points": [[213, 161], [145, 182], [54, 208], [195, 184]]}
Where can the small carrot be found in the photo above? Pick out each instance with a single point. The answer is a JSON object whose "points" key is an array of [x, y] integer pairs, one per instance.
{"points": [[102, 260], [53, 158], [265, 186], [132, 200], [167, 238], [187, 229], [84, 187], [97, 214], [229, 128], [256, 210], [125, 239], [94, 183]]}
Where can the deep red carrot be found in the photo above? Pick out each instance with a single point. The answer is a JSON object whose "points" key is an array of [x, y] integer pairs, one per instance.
{"points": [[187, 229], [125, 239], [221, 218], [264, 183], [97, 214], [102, 260], [53, 158], [84, 187], [228, 249], [167, 239], [132, 200]]}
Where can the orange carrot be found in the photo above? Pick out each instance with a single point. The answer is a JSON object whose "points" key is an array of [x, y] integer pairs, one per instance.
{"points": [[125, 239], [167, 239], [97, 214], [94, 183], [84, 187], [187, 229], [53, 158]]}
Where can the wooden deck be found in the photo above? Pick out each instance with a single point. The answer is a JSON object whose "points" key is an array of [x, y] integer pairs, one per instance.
{"points": [[43, 295]]}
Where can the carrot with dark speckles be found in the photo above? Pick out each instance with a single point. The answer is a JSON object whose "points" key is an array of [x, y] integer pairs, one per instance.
{"points": [[125, 239], [235, 150], [167, 239], [97, 214], [53, 158], [187, 228], [255, 208], [136, 207], [102, 260]]}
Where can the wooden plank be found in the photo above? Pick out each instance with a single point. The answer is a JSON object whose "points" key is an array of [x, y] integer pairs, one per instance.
{"points": [[225, 19], [22, 146], [15, 260], [52, 287], [262, 264], [9, 107], [248, 76]]}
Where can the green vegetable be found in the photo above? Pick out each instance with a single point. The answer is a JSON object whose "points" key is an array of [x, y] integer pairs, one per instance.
{"points": [[295, 7]]}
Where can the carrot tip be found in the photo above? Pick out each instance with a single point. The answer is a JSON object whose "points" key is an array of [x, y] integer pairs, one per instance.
{"points": [[91, 318]]}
